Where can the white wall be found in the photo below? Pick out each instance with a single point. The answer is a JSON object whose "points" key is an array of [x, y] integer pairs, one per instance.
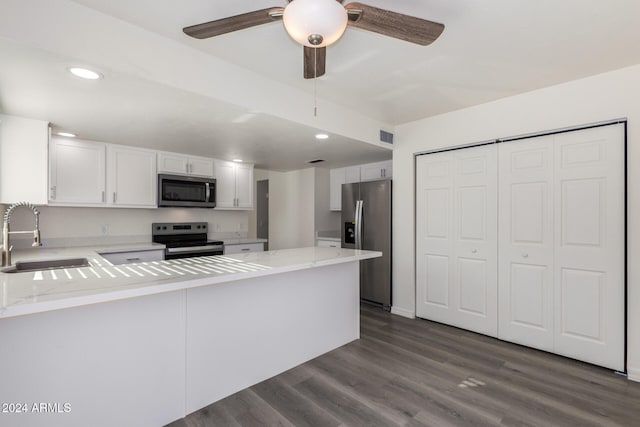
{"points": [[298, 207], [63, 226], [607, 96]]}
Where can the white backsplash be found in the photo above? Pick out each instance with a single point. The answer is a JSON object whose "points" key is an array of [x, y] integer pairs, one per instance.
{"points": [[65, 227]]}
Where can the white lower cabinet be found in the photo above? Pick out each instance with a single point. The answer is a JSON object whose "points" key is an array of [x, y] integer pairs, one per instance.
{"points": [[243, 248], [118, 258], [560, 265]]}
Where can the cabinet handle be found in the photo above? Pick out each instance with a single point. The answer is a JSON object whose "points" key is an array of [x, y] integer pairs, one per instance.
{"points": [[245, 249], [104, 197], [186, 167], [53, 192], [133, 259], [473, 251], [114, 197], [525, 255], [190, 167]]}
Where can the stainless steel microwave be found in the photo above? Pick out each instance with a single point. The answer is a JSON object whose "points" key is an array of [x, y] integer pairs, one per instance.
{"points": [[186, 191]]}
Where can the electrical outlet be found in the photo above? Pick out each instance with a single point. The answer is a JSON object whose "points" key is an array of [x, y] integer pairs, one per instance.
{"points": [[217, 226]]}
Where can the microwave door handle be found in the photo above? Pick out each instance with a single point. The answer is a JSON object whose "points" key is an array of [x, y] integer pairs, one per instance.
{"points": [[207, 193]]}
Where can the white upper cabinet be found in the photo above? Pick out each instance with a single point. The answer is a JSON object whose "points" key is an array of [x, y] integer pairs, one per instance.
{"points": [[88, 173], [336, 179], [234, 185], [77, 172], [132, 177], [351, 174], [23, 160], [372, 171], [185, 165]]}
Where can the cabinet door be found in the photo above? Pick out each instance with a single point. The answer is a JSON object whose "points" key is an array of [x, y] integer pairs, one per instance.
{"points": [[244, 186], [201, 166], [225, 173], [336, 179], [132, 177], [243, 248], [372, 171], [173, 163], [525, 274], [387, 169], [352, 174], [77, 171]]}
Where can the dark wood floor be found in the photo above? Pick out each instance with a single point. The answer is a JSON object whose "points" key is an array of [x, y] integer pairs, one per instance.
{"points": [[405, 372]]}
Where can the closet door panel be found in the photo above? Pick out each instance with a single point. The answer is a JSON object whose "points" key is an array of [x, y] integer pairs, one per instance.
{"points": [[456, 244], [526, 242], [434, 235], [475, 288], [589, 245]]}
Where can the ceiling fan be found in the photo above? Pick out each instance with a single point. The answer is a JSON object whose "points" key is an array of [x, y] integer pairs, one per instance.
{"points": [[318, 23]]}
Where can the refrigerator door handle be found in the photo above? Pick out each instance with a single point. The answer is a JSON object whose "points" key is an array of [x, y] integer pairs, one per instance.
{"points": [[359, 204]]}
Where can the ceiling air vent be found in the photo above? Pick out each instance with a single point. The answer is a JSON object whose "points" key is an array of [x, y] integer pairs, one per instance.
{"points": [[386, 136], [315, 161]]}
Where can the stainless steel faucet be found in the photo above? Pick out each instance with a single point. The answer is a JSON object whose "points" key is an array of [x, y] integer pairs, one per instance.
{"points": [[6, 247]]}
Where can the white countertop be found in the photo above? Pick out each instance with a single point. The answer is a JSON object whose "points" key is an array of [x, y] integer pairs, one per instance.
{"points": [[36, 292]]}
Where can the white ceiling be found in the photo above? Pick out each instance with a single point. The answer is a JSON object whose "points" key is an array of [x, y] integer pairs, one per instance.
{"points": [[489, 49]]}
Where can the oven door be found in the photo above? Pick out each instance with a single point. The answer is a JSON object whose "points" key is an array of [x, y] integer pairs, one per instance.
{"points": [[186, 191], [192, 251]]}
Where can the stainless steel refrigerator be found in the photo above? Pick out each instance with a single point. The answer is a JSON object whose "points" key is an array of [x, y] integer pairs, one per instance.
{"points": [[366, 224]]}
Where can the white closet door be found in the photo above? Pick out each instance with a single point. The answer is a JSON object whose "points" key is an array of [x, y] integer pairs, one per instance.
{"points": [[456, 223], [589, 245], [526, 242]]}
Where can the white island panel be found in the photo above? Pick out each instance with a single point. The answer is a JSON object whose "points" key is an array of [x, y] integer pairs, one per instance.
{"points": [[241, 333], [112, 364]]}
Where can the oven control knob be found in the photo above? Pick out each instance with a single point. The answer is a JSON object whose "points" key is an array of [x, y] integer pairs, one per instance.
{"points": [[157, 227], [164, 227]]}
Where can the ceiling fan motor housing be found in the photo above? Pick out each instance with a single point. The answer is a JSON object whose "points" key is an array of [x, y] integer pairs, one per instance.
{"points": [[315, 23]]}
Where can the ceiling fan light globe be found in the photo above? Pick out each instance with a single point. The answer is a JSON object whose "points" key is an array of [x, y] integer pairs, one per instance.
{"points": [[303, 18]]}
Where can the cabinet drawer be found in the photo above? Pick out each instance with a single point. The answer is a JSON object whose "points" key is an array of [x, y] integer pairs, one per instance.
{"points": [[327, 243], [117, 258], [247, 247]]}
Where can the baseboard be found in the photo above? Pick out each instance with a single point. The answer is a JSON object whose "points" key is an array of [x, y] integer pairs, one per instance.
{"points": [[633, 374], [411, 314]]}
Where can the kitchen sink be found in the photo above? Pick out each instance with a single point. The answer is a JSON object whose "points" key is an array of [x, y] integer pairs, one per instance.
{"points": [[49, 264]]}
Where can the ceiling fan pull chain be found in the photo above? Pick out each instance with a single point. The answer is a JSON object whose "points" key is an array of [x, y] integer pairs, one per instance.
{"points": [[315, 82]]}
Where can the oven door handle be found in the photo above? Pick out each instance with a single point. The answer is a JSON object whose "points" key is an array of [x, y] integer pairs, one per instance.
{"points": [[194, 249]]}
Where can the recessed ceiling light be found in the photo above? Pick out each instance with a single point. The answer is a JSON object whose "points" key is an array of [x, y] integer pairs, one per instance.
{"points": [[237, 160], [322, 136], [69, 134], [85, 73]]}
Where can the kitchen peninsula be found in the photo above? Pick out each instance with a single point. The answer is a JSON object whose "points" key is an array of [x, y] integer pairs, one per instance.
{"points": [[148, 343]]}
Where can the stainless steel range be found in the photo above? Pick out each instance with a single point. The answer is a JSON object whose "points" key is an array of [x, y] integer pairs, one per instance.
{"points": [[185, 239]]}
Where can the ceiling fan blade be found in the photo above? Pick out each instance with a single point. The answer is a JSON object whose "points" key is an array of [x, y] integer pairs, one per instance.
{"points": [[234, 23], [315, 59], [392, 24]]}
